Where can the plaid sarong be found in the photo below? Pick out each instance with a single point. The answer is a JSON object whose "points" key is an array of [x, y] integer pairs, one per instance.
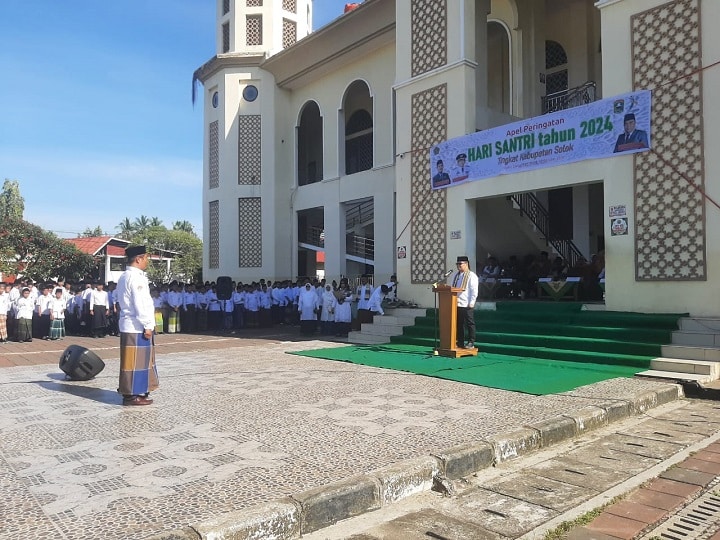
{"points": [[57, 329], [138, 372], [158, 321], [24, 329], [173, 322], [3, 326]]}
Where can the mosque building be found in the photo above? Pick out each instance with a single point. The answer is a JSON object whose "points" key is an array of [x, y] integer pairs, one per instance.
{"points": [[322, 149]]}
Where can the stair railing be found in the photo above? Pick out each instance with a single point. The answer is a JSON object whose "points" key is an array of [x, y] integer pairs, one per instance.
{"points": [[359, 213], [360, 246], [531, 207]]}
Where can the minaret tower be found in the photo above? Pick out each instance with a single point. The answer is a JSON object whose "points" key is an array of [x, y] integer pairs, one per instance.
{"points": [[262, 26], [245, 203]]}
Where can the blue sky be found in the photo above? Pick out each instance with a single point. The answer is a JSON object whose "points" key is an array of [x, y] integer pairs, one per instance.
{"points": [[96, 119]]}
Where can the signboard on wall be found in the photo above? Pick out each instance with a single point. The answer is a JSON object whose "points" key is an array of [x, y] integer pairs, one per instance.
{"points": [[601, 129]]}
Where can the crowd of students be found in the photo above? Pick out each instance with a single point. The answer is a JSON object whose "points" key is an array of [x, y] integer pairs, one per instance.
{"points": [[54, 310]]}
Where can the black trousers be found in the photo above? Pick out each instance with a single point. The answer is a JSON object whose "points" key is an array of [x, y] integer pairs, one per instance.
{"points": [[465, 322]]}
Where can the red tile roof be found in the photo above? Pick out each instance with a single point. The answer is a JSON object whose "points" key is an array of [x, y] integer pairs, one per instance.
{"points": [[94, 244]]}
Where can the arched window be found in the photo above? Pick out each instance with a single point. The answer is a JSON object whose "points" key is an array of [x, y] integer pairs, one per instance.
{"points": [[498, 67], [556, 73], [358, 108], [310, 145]]}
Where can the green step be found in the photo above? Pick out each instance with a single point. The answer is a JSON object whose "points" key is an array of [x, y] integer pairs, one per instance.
{"points": [[649, 335], [569, 355]]}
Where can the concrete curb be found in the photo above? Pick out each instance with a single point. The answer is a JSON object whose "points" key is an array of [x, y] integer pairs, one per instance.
{"points": [[314, 509]]}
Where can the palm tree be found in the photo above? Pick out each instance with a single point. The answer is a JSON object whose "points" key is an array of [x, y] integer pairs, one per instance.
{"points": [[127, 228], [155, 222], [183, 226], [141, 224]]}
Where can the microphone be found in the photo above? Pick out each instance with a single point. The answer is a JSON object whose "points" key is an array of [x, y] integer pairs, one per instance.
{"points": [[448, 273]]}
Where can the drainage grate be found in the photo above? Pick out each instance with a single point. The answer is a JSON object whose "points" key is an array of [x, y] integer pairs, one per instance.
{"points": [[696, 520]]}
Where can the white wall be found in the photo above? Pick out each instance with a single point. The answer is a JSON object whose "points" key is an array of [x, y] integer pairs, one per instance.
{"points": [[623, 292]]}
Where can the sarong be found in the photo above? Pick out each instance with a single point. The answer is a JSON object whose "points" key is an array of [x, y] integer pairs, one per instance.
{"points": [[265, 318], [57, 329], [24, 329], [158, 321], [99, 318], [202, 320], [138, 372], [43, 326], [3, 326], [190, 319], [173, 322]]}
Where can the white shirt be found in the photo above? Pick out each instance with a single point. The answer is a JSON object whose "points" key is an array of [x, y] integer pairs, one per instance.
{"points": [[57, 307], [43, 304], [137, 312], [99, 298], [24, 308], [4, 303], [375, 302], [363, 294], [175, 299], [468, 296]]}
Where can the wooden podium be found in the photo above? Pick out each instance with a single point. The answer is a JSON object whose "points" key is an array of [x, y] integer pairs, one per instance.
{"points": [[447, 317]]}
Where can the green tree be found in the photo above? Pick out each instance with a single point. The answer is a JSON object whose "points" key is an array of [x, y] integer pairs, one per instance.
{"points": [[90, 233], [30, 251], [12, 205], [141, 223], [187, 264], [183, 226], [126, 228], [181, 241]]}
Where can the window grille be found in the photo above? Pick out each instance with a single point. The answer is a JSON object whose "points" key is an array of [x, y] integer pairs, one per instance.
{"points": [[249, 149], [253, 29], [226, 37], [289, 33], [214, 247], [214, 153], [250, 232]]}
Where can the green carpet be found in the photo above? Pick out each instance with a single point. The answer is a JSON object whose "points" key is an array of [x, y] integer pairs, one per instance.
{"points": [[519, 374]]}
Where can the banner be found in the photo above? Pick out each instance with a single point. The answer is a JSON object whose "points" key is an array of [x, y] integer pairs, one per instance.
{"points": [[597, 130]]}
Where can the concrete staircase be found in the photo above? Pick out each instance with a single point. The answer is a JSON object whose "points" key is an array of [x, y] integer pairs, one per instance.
{"points": [[385, 326], [693, 355]]}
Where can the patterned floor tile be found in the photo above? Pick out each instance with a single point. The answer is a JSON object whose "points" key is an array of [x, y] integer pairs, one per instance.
{"points": [[230, 428]]}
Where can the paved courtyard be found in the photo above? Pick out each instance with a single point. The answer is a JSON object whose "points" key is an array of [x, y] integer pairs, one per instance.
{"points": [[236, 422]]}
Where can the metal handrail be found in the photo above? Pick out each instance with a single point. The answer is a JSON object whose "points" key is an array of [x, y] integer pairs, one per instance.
{"points": [[359, 246], [566, 99], [360, 213], [538, 214]]}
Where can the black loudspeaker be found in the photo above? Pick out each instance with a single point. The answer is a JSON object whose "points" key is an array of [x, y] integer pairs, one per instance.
{"points": [[80, 364], [224, 287]]}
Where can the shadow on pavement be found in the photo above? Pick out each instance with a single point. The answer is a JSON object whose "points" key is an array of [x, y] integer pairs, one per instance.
{"points": [[100, 395]]}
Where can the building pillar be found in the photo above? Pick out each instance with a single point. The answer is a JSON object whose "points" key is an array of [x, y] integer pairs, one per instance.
{"points": [[581, 219]]}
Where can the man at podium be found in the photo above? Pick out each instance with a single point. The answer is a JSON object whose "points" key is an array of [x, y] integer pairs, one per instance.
{"points": [[467, 280]]}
